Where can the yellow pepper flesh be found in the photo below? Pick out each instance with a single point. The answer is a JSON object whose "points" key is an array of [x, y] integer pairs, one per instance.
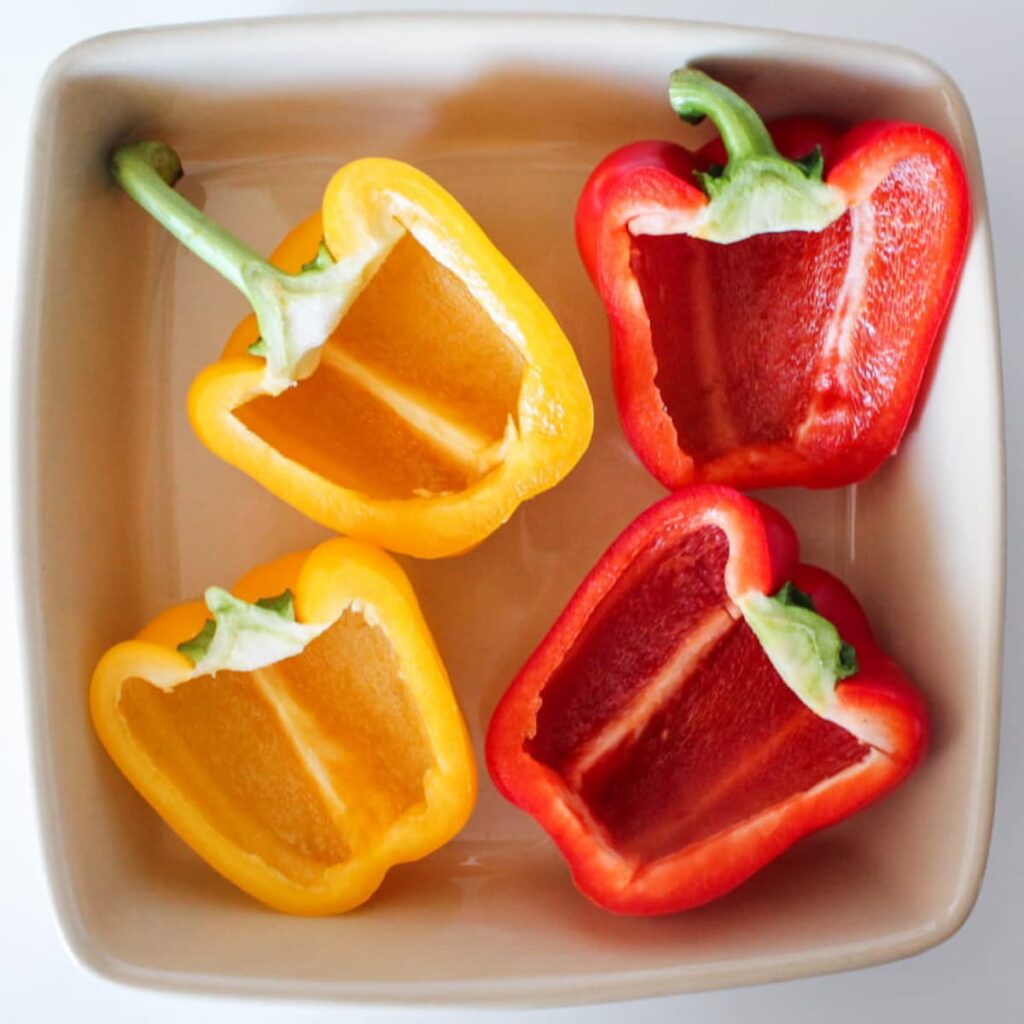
{"points": [[303, 781]]}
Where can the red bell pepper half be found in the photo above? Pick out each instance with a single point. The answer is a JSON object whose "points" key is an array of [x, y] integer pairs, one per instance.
{"points": [[689, 716], [772, 317]]}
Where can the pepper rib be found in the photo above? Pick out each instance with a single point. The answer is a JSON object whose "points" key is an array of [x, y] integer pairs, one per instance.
{"points": [[459, 441], [832, 373], [290, 716], [759, 821], [725, 786], [671, 678]]}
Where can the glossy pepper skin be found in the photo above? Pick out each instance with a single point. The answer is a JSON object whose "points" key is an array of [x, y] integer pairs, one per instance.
{"points": [[399, 381], [651, 735], [781, 340], [302, 781]]}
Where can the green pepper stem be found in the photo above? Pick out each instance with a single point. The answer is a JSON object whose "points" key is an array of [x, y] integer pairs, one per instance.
{"points": [[758, 190], [146, 171], [296, 313], [695, 95]]}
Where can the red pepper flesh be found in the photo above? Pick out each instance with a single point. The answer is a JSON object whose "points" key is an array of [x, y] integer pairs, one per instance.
{"points": [[792, 357], [653, 739]]}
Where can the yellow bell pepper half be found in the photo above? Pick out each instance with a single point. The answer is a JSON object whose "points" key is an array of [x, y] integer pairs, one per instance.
{"points": [[301, 745], [399, 382]]}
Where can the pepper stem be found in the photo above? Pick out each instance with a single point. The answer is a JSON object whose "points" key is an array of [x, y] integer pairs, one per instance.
{"points": [[146, 171], [695, 95], [758, 191], [296, 313]]}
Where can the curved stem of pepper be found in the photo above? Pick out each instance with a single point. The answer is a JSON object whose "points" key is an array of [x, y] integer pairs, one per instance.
{"points": [[146, 171], [759, 190], [296, 313], [695, 95]]}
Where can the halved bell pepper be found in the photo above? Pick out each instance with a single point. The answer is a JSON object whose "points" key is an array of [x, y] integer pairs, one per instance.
{"points": [[302, 740], [702, 703], [773, 297], [400, 381]]}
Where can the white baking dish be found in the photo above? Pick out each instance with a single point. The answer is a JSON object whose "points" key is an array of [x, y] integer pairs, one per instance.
{"points": [[122, 512]]}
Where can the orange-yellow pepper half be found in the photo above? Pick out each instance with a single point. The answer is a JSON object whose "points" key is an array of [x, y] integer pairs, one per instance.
{"points": [[301, 745], [400, 382]]}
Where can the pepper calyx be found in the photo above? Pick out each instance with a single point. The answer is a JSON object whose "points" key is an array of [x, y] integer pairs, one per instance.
{"points": [[757, 191], [242, 637], [196, 648], [803, 646], [321, 261]]}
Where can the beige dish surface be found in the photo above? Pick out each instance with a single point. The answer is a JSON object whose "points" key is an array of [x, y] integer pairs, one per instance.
{"points": [[122, 512]]}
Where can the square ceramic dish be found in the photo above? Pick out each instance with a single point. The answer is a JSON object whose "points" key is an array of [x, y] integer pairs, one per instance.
{"points": [[123, 512]]}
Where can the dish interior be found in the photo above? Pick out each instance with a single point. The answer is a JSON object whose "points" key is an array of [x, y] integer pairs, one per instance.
{"points": [[510, 122]]}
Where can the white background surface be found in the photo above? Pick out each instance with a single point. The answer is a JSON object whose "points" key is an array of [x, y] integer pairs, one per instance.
{"points": [[975, 976]]}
